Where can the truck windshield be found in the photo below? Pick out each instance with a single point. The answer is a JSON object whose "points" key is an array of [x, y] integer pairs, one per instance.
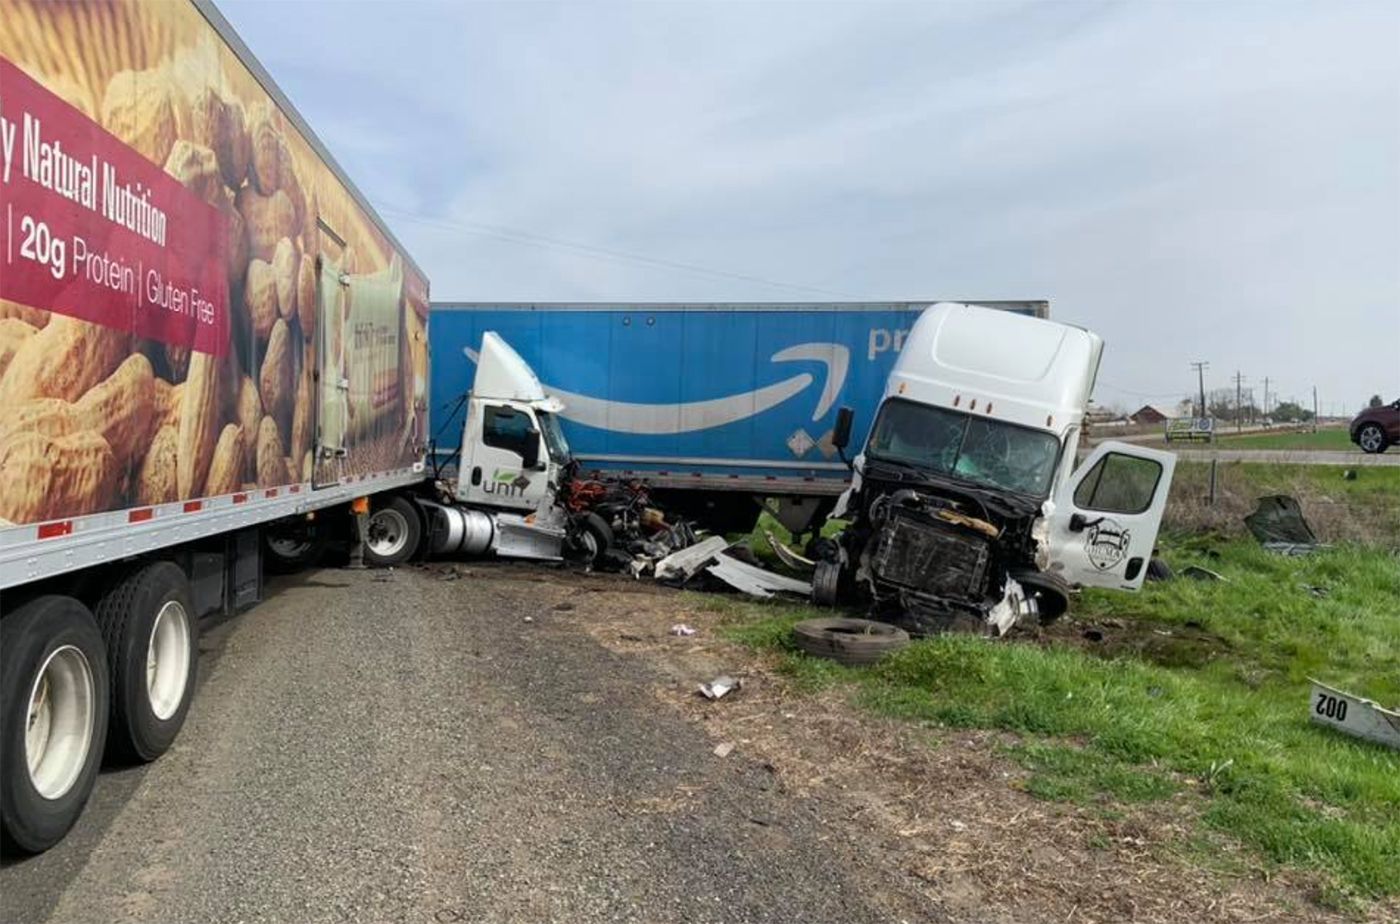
{"points": [[554, 441], [992, 452]]}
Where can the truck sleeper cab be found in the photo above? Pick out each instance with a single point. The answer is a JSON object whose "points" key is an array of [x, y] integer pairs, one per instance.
{"points": [[965, 508]]}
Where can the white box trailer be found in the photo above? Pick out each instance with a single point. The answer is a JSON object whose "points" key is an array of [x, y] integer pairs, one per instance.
{"points": [[204, 330]]}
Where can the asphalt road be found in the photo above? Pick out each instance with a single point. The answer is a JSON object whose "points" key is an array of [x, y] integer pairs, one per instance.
{"points": [[383, 747]]}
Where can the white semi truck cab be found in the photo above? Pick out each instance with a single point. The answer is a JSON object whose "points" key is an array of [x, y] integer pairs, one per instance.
{"points": [[965, 505], [514, 472]]}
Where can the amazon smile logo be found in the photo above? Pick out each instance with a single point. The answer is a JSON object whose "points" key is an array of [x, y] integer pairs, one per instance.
{"points": [[690, 416]]}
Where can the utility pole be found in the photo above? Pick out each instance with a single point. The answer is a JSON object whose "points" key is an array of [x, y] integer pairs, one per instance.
{"points": [[1239, 400], [1266, 396], [1314, 408], [1200, 368]]}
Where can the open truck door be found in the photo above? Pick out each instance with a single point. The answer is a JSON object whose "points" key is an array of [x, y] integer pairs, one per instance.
{"points": [[333, 384], [1106, 516]]}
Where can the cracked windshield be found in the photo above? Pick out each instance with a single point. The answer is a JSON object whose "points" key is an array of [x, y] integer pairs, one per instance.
{"points": [[988, 451]]}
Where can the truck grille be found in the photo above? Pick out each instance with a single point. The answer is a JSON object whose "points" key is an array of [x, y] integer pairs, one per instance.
{"points": [[932, 557]]}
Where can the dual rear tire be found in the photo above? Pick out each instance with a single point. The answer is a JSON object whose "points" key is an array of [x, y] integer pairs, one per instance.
{"points": [[76, 683]]}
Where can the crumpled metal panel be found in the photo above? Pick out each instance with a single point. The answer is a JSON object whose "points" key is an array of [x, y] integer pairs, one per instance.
{"points": [[932, 558]]}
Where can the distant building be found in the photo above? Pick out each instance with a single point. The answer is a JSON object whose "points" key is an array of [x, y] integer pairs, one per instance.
{"points": [[1147, 414]]}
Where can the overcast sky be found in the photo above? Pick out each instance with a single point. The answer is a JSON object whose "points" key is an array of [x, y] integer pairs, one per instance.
{"points": [[1214, 181]]}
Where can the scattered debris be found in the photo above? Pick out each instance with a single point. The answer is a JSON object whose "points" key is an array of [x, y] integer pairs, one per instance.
{"points": [[683, 564], [562, 607], [682, 629], [1359, 717], [724, 748], [1317, 590], [1093, 635], [786, 555], [1197, 573], [529, 619], [753, 580], [852, 642], [719, 687], [1278, 524]]}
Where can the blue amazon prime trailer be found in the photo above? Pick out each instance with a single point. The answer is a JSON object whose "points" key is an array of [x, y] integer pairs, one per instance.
{"points": [[719, 407]]}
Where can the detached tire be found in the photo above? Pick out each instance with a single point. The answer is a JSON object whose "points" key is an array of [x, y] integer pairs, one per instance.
{"points": [[148, 623], [53, 719], [394, 533], [852, 642], [289, 547]]}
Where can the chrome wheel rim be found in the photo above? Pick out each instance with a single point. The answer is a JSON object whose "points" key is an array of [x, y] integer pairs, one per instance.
{"points": [[168, 660], [59, 722], [1370, 438], [388, 533]]}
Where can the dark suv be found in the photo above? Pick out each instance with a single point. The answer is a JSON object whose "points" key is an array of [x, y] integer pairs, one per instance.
{"points": [[1377, 427]]}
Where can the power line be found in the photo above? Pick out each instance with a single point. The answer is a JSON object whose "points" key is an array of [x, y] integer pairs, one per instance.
{"points": [[531, 239]]}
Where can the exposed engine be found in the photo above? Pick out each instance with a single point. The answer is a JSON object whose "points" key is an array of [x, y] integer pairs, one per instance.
{"points": [[941, 555]]}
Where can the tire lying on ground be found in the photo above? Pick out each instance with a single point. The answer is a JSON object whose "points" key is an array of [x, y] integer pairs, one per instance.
{"points": [[852, 642]]}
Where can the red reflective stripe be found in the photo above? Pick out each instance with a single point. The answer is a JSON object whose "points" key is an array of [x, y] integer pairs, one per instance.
{"points": [[140, 516], [296, 488], [50, 530], [193, 506], [270, 492], [240, 498]]}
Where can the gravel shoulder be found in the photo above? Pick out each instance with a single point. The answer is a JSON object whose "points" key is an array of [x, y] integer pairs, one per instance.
{"points": [[377, 746]]}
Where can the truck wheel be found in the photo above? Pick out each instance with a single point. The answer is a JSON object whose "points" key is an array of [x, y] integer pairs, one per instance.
{"points": [[394, 533], [53, 690], [291, 547], [593, 537], [147, 621], [826, 583], [852, 642], [1371, 438]]}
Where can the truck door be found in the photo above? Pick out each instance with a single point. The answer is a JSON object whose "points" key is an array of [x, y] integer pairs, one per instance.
{"points": [[332, 375], [1106, 516], [494, 445]]}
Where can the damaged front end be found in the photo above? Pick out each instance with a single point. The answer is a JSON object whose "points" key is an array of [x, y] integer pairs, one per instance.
{"points": [[942, 557]]}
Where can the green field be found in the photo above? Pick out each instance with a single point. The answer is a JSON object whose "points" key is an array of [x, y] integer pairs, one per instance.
{"points": [[1336, 440], [1328, 440], [1201, 688]]}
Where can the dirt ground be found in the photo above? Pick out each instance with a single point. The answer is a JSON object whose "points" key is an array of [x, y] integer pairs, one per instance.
{"points": [[940, 806]]}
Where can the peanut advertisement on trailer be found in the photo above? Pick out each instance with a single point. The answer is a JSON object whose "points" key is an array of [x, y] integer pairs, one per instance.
{"points": [[192, 304]]}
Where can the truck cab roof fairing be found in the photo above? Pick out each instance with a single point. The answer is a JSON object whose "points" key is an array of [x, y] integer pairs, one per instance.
{"points": [[1033, 372], [502, 374]]}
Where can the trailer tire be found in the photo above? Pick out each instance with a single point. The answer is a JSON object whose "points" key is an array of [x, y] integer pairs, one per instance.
{"points": [[395, 529], [56, 640], [147, 620], [852, 642]]}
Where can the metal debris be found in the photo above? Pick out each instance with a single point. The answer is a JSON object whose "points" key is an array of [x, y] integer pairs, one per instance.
{"points": [[683, 564], [1197, 573], [755, 581], [682, 629], [1362, 718], [786, 555], [724, 748]]}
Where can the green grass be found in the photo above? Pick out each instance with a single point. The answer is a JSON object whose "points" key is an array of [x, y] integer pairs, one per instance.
{"points": [[1228, 723], [1337, 440]]}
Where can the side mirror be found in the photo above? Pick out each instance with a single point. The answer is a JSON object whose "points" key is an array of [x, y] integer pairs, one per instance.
{"points": [[530, 451], [841, 433]]}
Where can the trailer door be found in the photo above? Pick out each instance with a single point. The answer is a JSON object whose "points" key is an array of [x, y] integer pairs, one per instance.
{"points": [[332, 376]]}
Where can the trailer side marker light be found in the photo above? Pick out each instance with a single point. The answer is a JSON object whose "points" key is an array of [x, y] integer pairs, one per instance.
{"points": [[140, 516], [240, 498], [359, 505], [193, 506], [51, 530]]}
